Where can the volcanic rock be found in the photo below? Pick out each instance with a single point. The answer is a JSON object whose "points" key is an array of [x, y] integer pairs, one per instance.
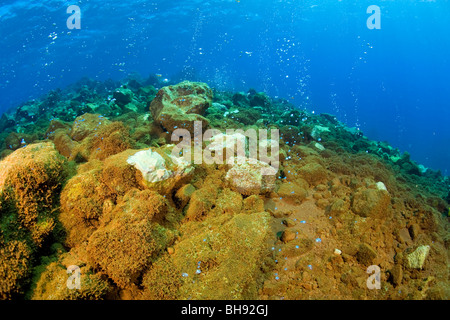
{"points": [[178, 106]]}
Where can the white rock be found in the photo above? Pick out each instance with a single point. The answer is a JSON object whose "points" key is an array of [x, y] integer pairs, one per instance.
{"points": [[417, 258], [154, 167], [319, 146], [219, 106], [251, 176], [337, 252], [151, 164], [422, 168], [381, 186], [318, 130]]}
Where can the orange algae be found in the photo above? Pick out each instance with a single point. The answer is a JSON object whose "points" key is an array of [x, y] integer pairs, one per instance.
{"points": [[30, 181], [14, 267], [127, 243]]}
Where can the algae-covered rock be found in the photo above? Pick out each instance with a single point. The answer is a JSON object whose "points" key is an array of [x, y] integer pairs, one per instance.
{"points": [[103, 141], [253, 204], [292, 191], [30, 181], [63, 143], [118, 176], [86, 124], [147, 204], [14, 267], [16, 140], [288, 235], [240, 99], [397, 274], [221, 259], [313, 173], [250, 176], [110, 139], [371, 202], [81, 206], [318, 131], [201, 202], [338, 207], [259, 99], [178, 106], [125, 246], [52, 285], [228, 202], [416, 259], [184, 194]]}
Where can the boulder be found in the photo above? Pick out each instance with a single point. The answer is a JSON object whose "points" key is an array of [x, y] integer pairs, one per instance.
{"points": [[371, 202], [125, 246], [178, 106], [397, 275], [288, 235], [201, 202], [416, 259], [222, 259], [30, 181], [184, 194], [217, 152], [86, 124], [81, 206], [161, 170], [292, 191], [251, 176], [52, 284], [15, 267], [313, 173], [123, 96], [365, 254]]}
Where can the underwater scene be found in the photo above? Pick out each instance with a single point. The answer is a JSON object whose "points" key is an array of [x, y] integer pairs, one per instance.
{"points": [[224, 150]]}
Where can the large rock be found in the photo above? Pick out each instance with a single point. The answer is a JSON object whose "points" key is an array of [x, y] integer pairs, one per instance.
{"points": [[220, 259], [371, 202], [161, 171], [123, 96], [30, 182], [86, 124], [313, 173], [53, 279], [15, 267], [180, 105], [417, 258], [250, 176], [81, 206], [125, 246]]}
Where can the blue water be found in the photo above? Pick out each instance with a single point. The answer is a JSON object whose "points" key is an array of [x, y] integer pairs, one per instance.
{"points": [[392, 83]]}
